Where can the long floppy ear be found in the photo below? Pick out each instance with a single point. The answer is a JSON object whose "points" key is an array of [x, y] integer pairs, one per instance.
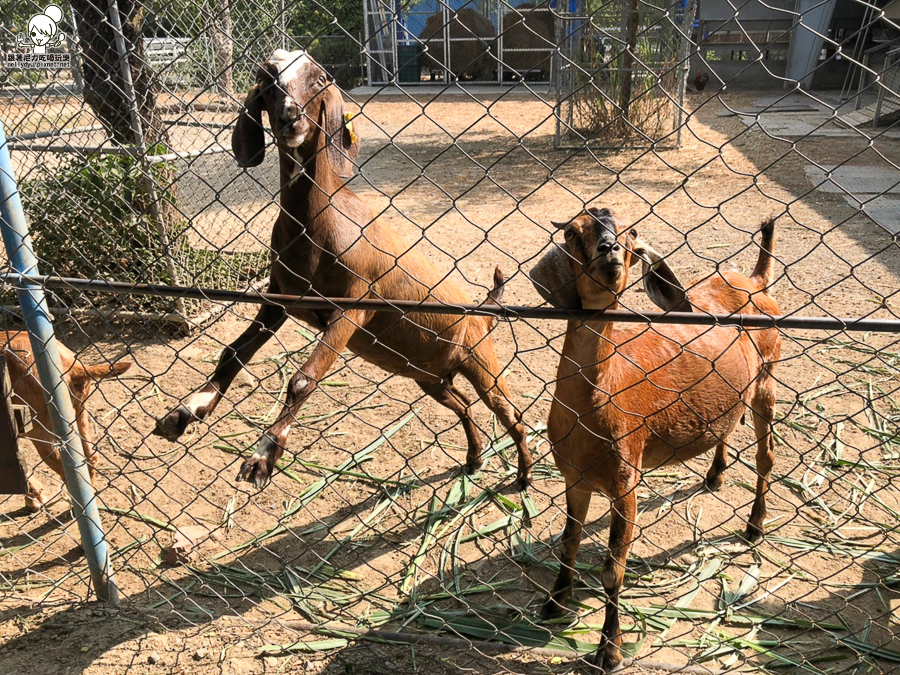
{"points": [[248, 141], [660, 282], [554, 280], [343, 146]]}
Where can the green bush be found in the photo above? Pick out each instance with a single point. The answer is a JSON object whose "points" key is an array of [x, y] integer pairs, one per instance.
{"points": [[21, 78], [89, 218]]}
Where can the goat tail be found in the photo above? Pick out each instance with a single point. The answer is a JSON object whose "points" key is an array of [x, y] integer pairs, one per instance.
{"points": [[496, 295], [101, 371], [762, 273]]}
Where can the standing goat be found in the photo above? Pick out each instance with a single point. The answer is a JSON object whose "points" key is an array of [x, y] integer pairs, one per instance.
{"points": [[632, 398], [327, 242], [27, 391]]}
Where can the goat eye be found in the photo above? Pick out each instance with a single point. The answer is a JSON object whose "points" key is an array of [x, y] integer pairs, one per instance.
{"points": [[322, 80], [633, 233]]}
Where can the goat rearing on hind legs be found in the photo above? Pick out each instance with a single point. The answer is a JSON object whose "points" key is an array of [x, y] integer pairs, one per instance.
{"points": [[633, 398], [327, 242]]}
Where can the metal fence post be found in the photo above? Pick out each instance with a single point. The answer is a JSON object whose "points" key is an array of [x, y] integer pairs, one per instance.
{"points": [[72, 46], [43, 344], [141, 145]]}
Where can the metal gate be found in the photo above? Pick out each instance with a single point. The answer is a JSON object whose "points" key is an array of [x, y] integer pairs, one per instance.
{"points": [[464, 41], [621, 73]]}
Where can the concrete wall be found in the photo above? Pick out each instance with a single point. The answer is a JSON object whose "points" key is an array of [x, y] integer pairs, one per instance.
{"points": [[722, 10], [778, 15], [730, 59]]}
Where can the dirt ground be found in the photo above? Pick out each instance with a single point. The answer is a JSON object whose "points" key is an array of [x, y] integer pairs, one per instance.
{"points": [[368, 532]]}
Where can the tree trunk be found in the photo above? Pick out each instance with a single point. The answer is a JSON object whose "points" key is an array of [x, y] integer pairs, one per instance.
{"points": [[106, 93], [632, 21], [104, 88], [217, 17]]}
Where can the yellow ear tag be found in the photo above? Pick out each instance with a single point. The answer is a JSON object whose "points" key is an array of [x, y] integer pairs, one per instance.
{"points": [[348, 125]]}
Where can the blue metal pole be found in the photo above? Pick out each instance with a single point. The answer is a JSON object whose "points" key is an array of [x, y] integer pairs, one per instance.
{"points": [[46, 356]]}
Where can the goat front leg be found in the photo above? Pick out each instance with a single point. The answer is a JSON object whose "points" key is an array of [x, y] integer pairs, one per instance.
{"points": [[578, 501], [621, 533], [203, 401], [258, 468]]}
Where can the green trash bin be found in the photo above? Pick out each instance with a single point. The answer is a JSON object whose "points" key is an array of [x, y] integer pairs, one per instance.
{"points": [[408, 63]]}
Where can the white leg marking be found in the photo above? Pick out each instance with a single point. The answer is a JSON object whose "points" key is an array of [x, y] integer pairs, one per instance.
{"points": [[200, 400]]}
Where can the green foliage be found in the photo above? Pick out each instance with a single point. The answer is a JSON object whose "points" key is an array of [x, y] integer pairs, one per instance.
{"points": [[331, 32], [89, 219], [255, 20], [14, 14], [21, 78], [311, 17], [335, 35]]}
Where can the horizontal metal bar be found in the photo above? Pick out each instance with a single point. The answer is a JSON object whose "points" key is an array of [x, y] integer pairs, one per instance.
{"points": [[412, 306], [68, 147], [201, 125], [52, 133], [171, 156], [112, 150], [112, 314]]}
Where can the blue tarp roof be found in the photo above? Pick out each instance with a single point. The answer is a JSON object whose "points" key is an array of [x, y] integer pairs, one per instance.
{"points": [[414, 15]]}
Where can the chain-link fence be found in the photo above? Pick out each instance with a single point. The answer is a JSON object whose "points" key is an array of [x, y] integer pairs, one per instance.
{"points": [[327, 435]]}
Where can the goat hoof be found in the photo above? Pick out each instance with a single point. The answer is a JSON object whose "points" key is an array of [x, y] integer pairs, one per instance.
{"points": [[523, 482], [552, 610], [255, 470], [471, 468], [33, 505], [173, 425], [608, 659], [35, 500], [713, 483], [754, 532]]}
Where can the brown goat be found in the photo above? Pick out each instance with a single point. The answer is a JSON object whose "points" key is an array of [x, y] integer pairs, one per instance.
{"points": [[327, 242], [472, 44], [630, 399], [27, 391]]}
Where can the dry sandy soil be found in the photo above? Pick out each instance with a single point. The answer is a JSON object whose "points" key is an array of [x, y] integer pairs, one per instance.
{"points": [[474, 184]]}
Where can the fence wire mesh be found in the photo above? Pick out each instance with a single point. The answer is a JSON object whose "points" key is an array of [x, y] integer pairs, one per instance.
{"points": [[372, 539]]}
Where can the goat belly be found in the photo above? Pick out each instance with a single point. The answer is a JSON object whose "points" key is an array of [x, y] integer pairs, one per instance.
{"points": [[684, 399], [697, 415], [402, 345]]}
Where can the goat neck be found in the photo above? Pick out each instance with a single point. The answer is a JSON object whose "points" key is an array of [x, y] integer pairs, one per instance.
{"points": [[304, 172], [588, 350]]}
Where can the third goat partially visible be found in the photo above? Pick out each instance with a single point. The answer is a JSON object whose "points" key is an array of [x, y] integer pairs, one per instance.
{"points": [[27, 391]]}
